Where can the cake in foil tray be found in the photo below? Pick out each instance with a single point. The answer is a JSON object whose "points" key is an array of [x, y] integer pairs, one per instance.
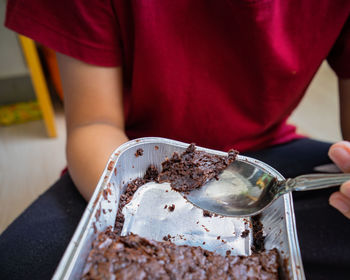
{"points": [[134, 257]]}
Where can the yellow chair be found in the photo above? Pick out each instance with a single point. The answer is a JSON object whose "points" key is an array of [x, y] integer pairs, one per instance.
{"points": [[39, 83]]}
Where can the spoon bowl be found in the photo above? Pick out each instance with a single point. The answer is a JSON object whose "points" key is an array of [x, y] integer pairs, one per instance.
{"points": [[246, 189]]}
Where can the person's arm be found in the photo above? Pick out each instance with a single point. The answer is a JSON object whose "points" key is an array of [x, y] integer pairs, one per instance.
{"points": [[94, 117], [344, 100]]}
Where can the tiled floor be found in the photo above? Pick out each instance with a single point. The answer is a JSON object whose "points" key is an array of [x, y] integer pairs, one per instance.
{"points": [[30, 162]]}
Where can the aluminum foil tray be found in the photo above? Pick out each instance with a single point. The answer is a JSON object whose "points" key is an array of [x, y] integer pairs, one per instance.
{"points": [[147, 214]]}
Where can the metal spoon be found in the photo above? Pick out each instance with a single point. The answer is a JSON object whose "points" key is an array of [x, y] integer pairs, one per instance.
{"points": [[244, 189]]}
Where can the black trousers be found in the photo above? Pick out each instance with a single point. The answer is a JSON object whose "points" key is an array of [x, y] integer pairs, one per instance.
{"points": [[32, 246]]}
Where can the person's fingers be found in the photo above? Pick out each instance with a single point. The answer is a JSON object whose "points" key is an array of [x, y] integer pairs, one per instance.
{"points": [[341, 203], [345, 189], [341, 200], [340, 154]]}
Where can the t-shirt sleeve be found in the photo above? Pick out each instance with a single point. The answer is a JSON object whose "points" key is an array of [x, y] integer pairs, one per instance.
{"points": [[85, 30], [339, 56]]}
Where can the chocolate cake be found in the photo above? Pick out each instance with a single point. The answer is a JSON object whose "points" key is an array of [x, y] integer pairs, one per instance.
{"points": [[133, 257], [192, 169]]}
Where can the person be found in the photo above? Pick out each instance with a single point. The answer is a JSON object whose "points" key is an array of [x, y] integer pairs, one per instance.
{"points": [[222, 74]]}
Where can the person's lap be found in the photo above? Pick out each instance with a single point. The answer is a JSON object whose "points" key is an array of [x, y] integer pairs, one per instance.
{"points": [[32, 246]]}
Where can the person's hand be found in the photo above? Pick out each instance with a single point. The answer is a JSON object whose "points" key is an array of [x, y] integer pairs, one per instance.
{"points": [[340, 154]]}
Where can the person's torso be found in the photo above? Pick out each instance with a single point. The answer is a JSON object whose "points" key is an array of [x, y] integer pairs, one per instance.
{"points": [[221, 74]]}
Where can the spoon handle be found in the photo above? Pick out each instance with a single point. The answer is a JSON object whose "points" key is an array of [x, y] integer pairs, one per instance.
{"points": [[316, 181]]}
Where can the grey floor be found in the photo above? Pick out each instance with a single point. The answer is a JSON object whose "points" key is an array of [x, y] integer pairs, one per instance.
{"points": [[30, 162]]}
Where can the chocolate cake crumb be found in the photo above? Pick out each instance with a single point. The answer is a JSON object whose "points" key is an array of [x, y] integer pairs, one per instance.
{"points": [[207, 230], [165, 238], [192, 168], [134, 257], [98, 214], [258, 234], [206, 213], [139, 152], [110, 165], [171, 208], [94, 227], [166, 206], [151, 174], [105, 194], [245, 233]]}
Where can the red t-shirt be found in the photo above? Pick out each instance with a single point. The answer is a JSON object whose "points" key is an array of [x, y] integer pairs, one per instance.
{"points": [[221, 74]]}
